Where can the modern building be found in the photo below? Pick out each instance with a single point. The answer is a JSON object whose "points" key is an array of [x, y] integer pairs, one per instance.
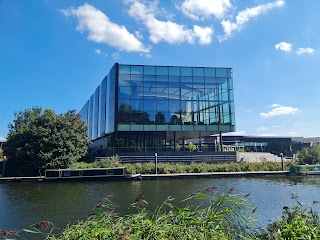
{"points": [[155, 108], [271, 144]]}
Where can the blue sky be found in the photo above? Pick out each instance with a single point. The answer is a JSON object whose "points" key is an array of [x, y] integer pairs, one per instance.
{"points": [[54, 54]]}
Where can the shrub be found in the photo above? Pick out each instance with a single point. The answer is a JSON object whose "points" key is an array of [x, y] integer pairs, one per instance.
{"points": [[191, 147]]}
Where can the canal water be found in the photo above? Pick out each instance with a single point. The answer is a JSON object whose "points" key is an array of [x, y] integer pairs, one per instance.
{"points": [[25, 203]]}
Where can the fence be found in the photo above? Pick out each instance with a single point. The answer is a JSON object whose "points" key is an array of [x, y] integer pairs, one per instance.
{"points": [[187, 158]]}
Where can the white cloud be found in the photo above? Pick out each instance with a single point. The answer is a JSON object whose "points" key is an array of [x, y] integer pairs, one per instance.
{"points": [[279, 126], [2, 139], [101, 30], [307, 50], [199, 9], [167, 31], [245, 16], [292, 133], [100, 52], [238, 133], [284, 46], [268, 135], [138, 35], [203, 33], [262, 128], [278, 110], [115, 56]]}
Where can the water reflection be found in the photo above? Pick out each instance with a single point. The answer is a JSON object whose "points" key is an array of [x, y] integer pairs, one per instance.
{"points": [[22, 204]]}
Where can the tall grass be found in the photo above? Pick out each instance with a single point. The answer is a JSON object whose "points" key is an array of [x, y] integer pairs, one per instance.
{"points": [[214, 217]]}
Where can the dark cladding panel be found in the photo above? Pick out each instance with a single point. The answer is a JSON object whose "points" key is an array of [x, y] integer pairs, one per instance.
{"points": [[102, 111]]}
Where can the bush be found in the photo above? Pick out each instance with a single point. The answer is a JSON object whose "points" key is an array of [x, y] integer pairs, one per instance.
{"points": [[107, 162], [191, 147]]}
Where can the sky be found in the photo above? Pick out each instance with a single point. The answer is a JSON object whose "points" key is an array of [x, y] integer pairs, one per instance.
{"points": [[54, 54]]}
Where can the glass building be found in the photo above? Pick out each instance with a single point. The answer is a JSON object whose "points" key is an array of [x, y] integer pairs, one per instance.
{"points": [[154, 108]]}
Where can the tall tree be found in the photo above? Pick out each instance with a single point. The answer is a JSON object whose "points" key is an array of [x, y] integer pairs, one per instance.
{"points": [[309, 155], [39, 140]]}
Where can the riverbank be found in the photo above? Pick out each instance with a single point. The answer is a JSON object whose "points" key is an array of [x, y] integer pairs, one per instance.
{"points": [[152, 176], [170, 170], [215, 174]]}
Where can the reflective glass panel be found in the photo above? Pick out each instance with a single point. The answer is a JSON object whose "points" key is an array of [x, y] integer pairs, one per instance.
{"points": [[161, 70], [137, 70], [198, 72], [124, 92], [210, 72], [221, 72], [174, 71], [149, 70], [185, 71], [124, 69]]}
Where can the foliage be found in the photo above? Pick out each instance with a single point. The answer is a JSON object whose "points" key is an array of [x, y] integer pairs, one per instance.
{"points": [[177, 147], [42, 139], [297, 222], [107, 162], [309, 155], [219, 217], [191, 147], [241, 150], [160, 118], [165, 168]]}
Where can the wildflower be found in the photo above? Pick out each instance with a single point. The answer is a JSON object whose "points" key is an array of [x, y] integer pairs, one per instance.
{"points": [[4, 233], [125, 234], [210, 189], [92, 217], [254, 210], [231, 190], [44, 224], [111, 214]]}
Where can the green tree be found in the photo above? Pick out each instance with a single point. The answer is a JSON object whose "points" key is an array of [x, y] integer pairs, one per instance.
{"points": [[38, 140], [191, 147], [309, 155], [160, 118], [177, 147]]}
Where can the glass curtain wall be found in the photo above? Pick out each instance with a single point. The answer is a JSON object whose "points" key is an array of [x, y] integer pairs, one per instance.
{"points": [[154, 107], [151, 98]]}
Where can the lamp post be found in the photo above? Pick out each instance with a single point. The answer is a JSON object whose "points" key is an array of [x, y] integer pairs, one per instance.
{"points": [[282, 161], [156, 162]]}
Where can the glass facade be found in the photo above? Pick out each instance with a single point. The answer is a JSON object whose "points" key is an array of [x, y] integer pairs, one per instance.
{"points": [[154, 105]]}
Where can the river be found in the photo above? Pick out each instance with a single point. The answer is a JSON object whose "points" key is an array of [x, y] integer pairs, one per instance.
{"points": [[25, 203]]}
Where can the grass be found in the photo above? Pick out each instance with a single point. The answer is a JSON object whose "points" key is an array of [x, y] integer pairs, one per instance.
{"points": [[214, 217]]}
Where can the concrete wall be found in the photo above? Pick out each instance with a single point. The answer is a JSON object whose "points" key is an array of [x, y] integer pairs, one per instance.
{"points": [[258, 157]]}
